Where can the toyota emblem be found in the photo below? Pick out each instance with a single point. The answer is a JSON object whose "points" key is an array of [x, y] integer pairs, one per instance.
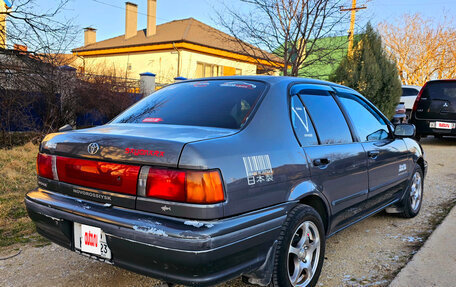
{"points": [[93, 148]]}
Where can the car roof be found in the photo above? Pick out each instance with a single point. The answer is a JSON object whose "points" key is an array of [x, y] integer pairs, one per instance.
{"points": [[442, 80], [274, 80], [411, 86]]}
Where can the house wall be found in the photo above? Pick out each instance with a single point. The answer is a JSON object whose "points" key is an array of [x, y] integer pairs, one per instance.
{"points": [[189, 62], [162, 63]]}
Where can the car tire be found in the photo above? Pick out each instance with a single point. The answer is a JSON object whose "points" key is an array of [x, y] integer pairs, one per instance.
{"points": [[413, 197], [298, 255]]}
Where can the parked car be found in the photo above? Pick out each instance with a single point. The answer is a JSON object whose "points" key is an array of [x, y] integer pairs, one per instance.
{"points": [[400, 116], [409, 94], [210, 179], [434, 112]]}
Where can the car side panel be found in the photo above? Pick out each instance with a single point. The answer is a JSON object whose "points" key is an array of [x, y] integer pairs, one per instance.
{"points": [[388, 172], [344, 181]]}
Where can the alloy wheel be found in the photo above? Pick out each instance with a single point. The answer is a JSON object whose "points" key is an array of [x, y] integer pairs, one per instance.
{"points": [[303, 254], [416, 191]]}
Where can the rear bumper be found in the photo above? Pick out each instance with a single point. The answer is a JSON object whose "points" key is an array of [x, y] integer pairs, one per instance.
{"points": [[163, 247], [422, 127]]}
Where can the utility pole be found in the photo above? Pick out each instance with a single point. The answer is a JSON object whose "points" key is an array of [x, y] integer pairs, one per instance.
{"points": [[351, 32]]}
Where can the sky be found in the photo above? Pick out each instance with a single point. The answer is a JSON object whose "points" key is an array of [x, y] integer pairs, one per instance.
{"points": [[108, 16]]}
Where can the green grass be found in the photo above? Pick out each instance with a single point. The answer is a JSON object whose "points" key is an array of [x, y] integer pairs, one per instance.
{"points": [[17, 177]]}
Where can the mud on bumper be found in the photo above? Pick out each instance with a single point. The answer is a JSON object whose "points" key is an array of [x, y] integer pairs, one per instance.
{"points": [[176, 250]]}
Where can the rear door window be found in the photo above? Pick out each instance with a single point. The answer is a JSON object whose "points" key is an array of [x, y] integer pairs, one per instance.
{"points": [[214, 103], [327, 117], [409, 92], [369, 125], [302, 123]]}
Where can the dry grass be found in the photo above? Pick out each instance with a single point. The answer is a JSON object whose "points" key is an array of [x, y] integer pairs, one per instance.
{"points": [[17, 176]]}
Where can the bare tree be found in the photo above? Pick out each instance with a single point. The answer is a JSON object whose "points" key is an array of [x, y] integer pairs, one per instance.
{"points": [[424, 49], [292, 31], [40, 31], [101, 96], [32, 47]]}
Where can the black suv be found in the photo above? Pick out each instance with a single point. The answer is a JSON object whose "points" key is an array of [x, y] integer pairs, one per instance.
{"points": [[210, 179], [434, 112]]}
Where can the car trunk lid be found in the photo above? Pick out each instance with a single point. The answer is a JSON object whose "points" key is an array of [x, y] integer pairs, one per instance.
{"points": [[138, 144]]}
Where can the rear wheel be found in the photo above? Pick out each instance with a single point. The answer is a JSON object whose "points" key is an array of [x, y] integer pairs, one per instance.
{"points": [[300, 250], [414, 195]]}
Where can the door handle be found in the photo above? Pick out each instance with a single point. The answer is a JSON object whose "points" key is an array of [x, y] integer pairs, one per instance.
{"points": [[373, 154], [321, 161]]}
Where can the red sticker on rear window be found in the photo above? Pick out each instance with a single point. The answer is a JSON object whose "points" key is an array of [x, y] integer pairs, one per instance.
{"points": [[238, 85], [152, 120], [200, 84]]}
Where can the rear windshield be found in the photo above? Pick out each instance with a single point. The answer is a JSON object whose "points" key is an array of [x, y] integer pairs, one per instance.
{"points": [[445, 90], [407, 92], [215, 103]]}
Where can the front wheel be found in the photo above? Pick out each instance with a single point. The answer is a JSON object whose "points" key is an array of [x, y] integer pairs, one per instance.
{"points": [[414, 195], [300, 250]]}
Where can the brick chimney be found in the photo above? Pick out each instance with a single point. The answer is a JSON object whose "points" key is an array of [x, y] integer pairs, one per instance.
{"points": [[90, 36], [151, 17], [131, 19]]}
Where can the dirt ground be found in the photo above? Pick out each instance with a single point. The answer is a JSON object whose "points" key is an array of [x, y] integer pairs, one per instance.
{"points": [[370, 253]]}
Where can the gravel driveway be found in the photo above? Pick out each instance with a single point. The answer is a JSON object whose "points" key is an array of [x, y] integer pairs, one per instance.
{"points": [[369, 253]]}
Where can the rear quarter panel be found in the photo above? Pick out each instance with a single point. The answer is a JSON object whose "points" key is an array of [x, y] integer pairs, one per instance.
{"points": [[416, 152]]}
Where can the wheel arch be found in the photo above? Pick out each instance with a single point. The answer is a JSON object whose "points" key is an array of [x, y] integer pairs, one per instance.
{"points": [[421, 163], [307, 192], [316, 202]]}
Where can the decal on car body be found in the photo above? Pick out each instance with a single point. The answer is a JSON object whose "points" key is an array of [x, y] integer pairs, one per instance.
{"points": [[144, 152], [258, 169], [402, 168]]}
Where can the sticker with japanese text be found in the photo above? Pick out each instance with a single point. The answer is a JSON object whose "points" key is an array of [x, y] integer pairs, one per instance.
{"points": [[258, 169]]}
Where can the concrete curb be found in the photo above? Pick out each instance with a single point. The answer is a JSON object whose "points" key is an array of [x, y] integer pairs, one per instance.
{"points": [[435, 263]]}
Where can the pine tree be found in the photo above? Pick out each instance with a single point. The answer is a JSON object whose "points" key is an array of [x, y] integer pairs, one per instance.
{"points": [[371, 72]]}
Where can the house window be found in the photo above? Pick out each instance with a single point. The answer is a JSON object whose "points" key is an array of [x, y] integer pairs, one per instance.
{"points": [[208, 70], [238, 72]]}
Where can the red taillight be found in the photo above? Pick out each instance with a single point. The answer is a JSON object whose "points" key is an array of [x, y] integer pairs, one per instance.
{"points": [[202, 187], [166, 184], [185, 186], [115, 177], [44, 166], [415, 105]]}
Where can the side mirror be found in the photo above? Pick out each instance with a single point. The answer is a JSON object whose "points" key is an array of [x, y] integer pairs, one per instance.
{"points": [[405, 130]]}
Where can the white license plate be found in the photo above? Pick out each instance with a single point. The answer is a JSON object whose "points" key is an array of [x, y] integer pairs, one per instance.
{"points": [[91, 240], [443, 125]]}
